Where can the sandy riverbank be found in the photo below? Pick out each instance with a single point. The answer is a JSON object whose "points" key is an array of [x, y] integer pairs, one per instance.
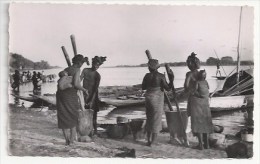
{"points": [[34, 133]]}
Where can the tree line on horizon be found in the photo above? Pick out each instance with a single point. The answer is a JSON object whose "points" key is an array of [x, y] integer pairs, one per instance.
{"points": [[211, 61], [17, 61]]}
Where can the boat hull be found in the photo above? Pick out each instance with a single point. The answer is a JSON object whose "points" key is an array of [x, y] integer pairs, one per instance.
{"points": [[30, 99], [227, 103], [216, 103]]}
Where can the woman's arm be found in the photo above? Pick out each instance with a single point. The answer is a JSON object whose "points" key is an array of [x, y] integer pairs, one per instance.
{"points": [[144, 83], [82, 74], [95, 88], [76, 81], [187, 81]]}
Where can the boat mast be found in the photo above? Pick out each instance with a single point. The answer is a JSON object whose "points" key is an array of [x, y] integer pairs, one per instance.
{"points": [[238, 46]]}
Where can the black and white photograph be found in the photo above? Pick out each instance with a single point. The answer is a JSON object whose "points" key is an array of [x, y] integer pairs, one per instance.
{"points": [[131, 81]]}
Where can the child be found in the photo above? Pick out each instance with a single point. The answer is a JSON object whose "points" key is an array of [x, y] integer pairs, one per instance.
{"points": [[201, 115], [65, 81], [202, 86]]}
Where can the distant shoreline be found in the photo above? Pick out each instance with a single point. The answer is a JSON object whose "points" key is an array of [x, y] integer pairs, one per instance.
{"points": [[162, 65]]}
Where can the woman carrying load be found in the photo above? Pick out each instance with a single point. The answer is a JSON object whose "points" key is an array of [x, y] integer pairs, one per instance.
{"points": [[198, 107], [68, 102], [154, 83]]}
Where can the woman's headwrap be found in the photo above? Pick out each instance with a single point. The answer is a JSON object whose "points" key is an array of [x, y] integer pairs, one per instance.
{"points": [[80, 58], [153, 64], [193, 62], [99, 59]]}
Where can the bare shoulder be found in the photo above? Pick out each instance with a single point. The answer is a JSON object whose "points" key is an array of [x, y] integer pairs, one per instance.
{"points": [[188, 74], [85, 70], [147, 74], [160, 75]]}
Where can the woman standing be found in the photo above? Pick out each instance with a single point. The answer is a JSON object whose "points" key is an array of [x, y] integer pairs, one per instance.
{"points": [[154, 83], [91, 80], [68, 101], [198, 110]]}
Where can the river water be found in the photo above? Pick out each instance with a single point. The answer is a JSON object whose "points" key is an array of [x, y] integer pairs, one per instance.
{"points": [[232, 121]]}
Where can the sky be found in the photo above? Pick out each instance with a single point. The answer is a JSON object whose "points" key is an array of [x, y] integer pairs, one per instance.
{"points": [[124, 32]]}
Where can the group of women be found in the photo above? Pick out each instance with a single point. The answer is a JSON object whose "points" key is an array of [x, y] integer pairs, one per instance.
{"points": [[154, 83]]}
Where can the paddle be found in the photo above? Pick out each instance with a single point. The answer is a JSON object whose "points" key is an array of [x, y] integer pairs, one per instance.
{"points": [[167, 67]]}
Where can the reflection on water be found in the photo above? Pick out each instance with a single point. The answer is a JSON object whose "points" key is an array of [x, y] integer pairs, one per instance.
{"points": [[26, 90], [16, 100]]}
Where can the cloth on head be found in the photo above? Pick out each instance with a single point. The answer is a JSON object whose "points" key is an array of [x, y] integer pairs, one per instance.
{"points": [[99, 59], [193, 62], [153, 64]]}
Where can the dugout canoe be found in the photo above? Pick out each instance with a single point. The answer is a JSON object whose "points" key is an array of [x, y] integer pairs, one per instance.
{"points": [[26, 98], [47, 98], [122, 102], [220, 77], [216, 103]]}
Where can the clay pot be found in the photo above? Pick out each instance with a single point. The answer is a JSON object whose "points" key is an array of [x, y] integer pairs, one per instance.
{"points": [[218, 128], [117, 131]]}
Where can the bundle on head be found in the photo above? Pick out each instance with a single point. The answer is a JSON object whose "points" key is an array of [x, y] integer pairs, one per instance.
{"points": [[153, 64], [193, 62]]}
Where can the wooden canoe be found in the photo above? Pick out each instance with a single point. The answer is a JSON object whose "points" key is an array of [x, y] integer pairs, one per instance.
{"points": [[216, 103], [227, 103], [28, 98], [51, 99], [220, 77], [123, 103]]}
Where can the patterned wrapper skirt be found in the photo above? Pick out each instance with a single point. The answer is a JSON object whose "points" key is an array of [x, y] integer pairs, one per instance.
{"points": [[201, 121], [154, 102], [67, 108]]}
